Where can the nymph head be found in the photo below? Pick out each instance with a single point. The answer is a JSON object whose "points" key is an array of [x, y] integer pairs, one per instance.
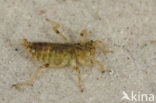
{"points": [[90, 48]]}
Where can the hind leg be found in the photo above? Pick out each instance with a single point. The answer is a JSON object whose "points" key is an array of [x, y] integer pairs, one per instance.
{"points": [[31, 80], [55, 29]]}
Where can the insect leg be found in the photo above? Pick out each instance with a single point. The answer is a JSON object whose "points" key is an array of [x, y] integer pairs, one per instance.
{"points": [[76, 68], [30, 81], [55, 28], [101, 66], [85, 62], [103, 46], [79, 77], [91, 62], [82, 35]]}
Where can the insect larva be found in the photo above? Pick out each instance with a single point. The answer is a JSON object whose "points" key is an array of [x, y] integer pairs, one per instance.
{"points": [[63, 54]]}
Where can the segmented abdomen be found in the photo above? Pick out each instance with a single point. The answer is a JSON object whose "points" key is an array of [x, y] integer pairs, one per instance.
{"points": [[50, 52]]}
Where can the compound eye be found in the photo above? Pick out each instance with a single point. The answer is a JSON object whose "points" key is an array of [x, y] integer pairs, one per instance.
{"points": [[91, 41]]}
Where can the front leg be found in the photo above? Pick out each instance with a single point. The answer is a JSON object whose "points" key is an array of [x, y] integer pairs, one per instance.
{"points": [[90, 62], [102, 46], [101, 66], [86, 62]]}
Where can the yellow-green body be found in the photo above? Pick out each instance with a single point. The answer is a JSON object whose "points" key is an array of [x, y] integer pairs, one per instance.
{"points": [[59, 54], [63, 54]]}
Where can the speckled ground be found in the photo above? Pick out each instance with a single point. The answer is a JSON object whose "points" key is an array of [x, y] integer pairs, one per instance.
{"points": [[128, 27]]}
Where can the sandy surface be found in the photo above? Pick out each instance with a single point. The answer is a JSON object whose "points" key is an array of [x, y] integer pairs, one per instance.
{"points": [[128, 27]]}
